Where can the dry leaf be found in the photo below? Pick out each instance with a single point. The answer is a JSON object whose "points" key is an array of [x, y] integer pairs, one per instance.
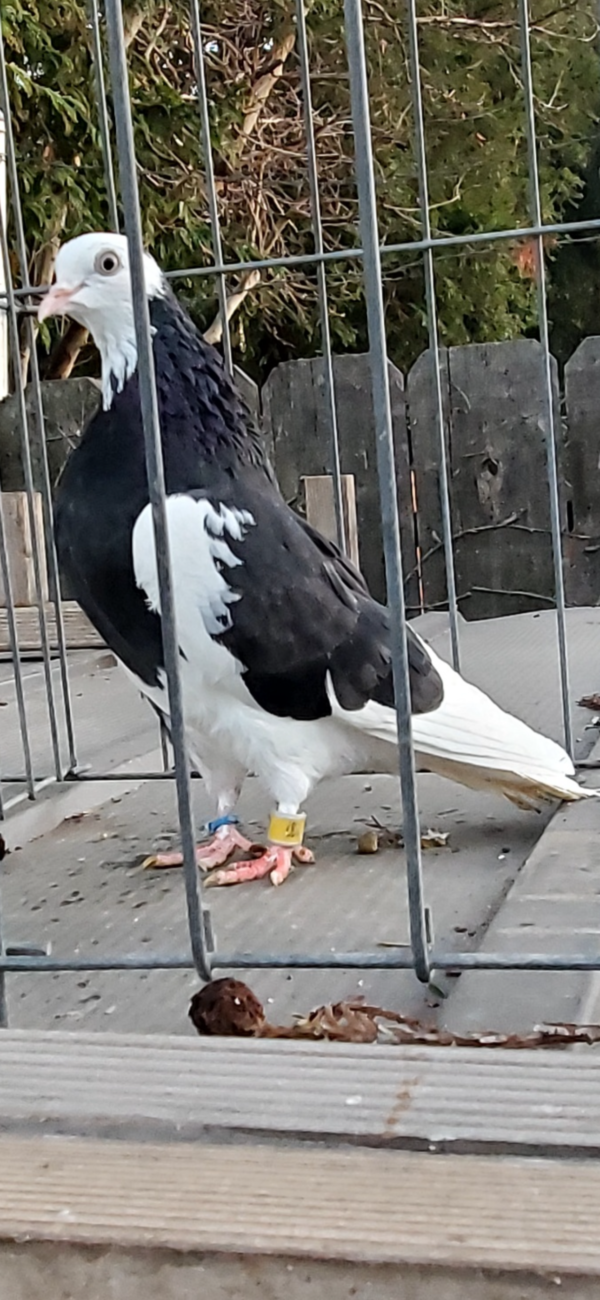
{"points": [[590, 702], [526, 255], [339, 1021], [388, 839], [434, 839]]}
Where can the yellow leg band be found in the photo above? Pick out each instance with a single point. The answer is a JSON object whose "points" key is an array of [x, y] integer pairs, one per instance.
{"points": [[288, 832]]}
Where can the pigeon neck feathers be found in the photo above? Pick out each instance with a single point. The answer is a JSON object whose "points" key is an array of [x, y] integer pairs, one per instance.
{"points": [[200, 409]]}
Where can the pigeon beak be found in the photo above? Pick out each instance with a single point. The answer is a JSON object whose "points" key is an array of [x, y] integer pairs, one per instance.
{"points": [[56, 301]]}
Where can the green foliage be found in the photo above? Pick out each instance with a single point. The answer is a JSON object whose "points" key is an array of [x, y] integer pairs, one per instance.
{"points": [[476, 151]]}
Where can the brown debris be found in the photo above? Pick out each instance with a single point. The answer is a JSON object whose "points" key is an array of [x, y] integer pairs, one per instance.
{"points": [[590, 702], [341, 1022], [3, 849], [378, 837], [228, 1007]]}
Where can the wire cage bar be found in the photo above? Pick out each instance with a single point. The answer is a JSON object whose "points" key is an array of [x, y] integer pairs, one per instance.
{"points": [[215, 224], [198, 924], [392, 249], [317, 225], [432, 326], [551, 431], [367, 199], [422, 954], [103, 114], [26, 452]]}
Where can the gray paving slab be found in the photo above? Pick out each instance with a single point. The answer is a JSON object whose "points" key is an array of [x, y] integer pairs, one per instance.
{"points": [[112, 723], [81, 886], [553, 905]]}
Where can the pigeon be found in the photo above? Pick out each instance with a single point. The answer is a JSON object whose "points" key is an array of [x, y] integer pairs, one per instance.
{"points": [[286, 664]]}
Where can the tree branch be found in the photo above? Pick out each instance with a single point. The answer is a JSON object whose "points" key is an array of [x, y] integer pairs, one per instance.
{"points": [[64, 356], [262, 88], [248, 282], [42, 266], [133, 20]]}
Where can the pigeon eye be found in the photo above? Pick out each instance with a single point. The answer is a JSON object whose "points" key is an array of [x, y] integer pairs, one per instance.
{"points": [[107, 263]]}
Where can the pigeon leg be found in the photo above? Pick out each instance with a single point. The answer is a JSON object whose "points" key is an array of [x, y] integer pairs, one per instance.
{"points": [[284, 848], [223, 782]]}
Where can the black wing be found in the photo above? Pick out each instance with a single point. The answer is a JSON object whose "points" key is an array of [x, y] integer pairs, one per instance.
{"points": [[304, 611]]}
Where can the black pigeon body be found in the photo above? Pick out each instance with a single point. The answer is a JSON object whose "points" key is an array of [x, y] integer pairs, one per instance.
{"points": [[301, 611]]}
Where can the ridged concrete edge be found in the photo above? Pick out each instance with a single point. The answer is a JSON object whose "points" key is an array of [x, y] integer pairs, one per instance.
{"points": [[157, 1087]]}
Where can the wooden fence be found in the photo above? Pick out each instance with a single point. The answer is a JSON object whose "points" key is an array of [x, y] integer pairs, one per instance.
{"points": [[495, 412]]}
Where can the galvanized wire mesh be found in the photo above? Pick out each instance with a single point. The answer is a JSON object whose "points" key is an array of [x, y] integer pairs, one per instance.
{"points": [[423, 955]]}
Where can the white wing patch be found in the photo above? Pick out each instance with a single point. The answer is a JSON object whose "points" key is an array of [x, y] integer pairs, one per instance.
{"points": [[217, 522], [200, 558]]}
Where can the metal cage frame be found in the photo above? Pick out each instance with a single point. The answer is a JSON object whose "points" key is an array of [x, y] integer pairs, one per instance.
{"points": [[204, 955]]}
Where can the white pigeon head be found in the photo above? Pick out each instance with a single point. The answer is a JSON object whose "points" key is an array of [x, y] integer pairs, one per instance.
{"points": [[92, 284]]}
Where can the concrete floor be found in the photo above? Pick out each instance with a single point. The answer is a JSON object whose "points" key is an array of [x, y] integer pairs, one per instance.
{"points": [[80, 885], [111, 726]]}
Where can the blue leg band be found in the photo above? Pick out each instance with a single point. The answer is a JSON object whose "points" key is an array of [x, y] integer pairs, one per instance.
{"points": [[229, 819]]}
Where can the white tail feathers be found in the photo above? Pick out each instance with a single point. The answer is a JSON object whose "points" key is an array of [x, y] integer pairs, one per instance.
{"points": [[471, 740]]}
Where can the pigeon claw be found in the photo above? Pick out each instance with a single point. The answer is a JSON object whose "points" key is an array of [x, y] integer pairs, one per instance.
{"points": [[215, 853], [273, 861], [225, 842], [160, 860]]}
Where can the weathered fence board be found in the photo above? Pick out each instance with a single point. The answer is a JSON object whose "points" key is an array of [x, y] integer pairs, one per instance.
{"points": [[79, 633], [296, 417], [582, 478], [68, 405], [495, 407], [425, 455], [19, 545], [495, 412], [248, 389], [320, 509]]}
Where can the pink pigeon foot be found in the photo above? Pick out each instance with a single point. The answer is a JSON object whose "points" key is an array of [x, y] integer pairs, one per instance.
{"points": [[274, 861], [224, 843]]}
